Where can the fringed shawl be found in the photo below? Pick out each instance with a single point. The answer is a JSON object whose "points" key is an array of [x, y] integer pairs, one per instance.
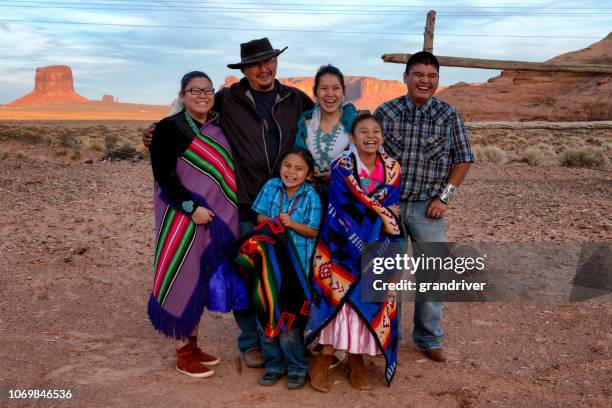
{"points": [[354, 220], [279, 289], [193, 268]]}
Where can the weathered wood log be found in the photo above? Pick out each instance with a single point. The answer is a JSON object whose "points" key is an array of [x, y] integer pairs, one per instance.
{"points": [[428, 35], [604, 124], [507, 64]]}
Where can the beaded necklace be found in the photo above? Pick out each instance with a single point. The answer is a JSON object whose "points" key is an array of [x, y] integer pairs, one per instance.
{"points": [[323, 143]]}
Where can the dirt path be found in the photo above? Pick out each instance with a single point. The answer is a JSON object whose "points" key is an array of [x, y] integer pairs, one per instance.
{"points": [[75, 272]]}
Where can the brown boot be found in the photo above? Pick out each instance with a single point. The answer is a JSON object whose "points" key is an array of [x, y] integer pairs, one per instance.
{"points": [[201, 356], [187, 363], [318, 371], [357, 375]]}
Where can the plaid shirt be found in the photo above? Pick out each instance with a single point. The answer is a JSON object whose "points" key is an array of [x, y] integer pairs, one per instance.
{"points": [[426, 140], [306, 211]]}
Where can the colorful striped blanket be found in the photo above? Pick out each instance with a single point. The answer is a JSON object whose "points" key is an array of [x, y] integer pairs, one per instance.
{"points": [[279, 289], [354, 220], [193, 268]]}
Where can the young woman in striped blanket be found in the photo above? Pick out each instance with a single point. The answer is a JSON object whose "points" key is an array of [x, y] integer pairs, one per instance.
{"points": [[196, 219]]}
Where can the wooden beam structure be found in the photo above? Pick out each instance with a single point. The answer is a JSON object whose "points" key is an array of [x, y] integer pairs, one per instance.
{"points": [[506, 64], [428, 35], [603, 124]]}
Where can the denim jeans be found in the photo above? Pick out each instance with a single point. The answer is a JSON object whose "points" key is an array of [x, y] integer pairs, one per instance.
{"points": [[285, 351], [427, 332], [250, 337]]}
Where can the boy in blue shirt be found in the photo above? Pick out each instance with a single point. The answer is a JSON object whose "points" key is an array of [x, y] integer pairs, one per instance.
{"points": [[297, 205]]}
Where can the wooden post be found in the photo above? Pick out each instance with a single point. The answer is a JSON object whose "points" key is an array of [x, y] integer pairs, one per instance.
{"points": [[428, 35]]}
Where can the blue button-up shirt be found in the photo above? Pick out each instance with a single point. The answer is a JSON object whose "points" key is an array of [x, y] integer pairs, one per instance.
{"points": [[307, 211], [426, 140]]}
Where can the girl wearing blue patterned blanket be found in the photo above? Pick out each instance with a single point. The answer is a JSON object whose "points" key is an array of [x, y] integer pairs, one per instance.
{"points": [[363, 205]]}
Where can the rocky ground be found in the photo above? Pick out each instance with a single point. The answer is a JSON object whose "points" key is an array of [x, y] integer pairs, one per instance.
{"points": [[75, 273]]}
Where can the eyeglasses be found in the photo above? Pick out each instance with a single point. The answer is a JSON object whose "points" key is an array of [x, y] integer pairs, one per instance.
{"points": [[265, 63], [421, 75], [199, 91]]}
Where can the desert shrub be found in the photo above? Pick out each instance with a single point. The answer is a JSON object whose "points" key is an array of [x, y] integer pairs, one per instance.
{"points": [[124, 152], [25, 134], [535, 155], [95, 145], [68, 138], [489, 154], [110, 142], [607, 146], [76, 153], [584, 157]]}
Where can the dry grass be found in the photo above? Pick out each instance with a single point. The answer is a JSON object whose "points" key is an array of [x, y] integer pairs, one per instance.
{"points": [[114, 139], [538, 154], [489, 154], [584, 157]]}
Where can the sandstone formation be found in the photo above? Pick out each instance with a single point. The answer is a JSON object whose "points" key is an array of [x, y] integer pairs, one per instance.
{"points": [[53, 84], [550, 96], [364, 92], [229, 81], [109, 99]]}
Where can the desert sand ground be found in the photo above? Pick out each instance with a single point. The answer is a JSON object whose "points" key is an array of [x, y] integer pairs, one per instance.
{"points": [[76, 269]]}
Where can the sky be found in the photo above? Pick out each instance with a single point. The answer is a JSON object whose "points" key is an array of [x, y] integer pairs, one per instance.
{"points": [[137, 50]]}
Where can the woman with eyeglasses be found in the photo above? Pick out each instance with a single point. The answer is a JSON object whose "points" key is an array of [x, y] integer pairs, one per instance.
{"points": [[196, 221]]}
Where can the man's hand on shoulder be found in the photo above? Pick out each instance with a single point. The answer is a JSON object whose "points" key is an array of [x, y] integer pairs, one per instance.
{"points": [[147, 134]]}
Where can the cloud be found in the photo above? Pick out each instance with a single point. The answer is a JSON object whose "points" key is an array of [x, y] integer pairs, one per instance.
{"points": [[145, 64]]}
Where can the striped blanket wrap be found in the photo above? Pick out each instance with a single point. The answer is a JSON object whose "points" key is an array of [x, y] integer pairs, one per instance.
{"points": [[192, 265], [354, 220], [279, 288]]}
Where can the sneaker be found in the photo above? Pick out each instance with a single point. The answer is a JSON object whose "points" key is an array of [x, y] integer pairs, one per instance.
{"points": [[253, 358], [202, 357], [187, 363], [270, 378], [296, 381]]}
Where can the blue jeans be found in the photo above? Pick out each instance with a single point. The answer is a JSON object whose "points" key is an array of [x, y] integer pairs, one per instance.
{"points": [[251, 336], [427, 332], [285, 351]]}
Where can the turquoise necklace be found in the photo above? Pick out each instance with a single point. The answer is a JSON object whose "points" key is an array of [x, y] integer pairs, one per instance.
{"points": [[323, 143]]}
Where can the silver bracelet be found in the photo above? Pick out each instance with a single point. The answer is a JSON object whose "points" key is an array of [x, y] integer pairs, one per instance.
{"points": [[448, 193]]}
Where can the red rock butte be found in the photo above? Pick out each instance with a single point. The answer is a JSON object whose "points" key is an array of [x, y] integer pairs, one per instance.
{"points": [[108, 99], [52, 84], [364, 92], [549, 96]]}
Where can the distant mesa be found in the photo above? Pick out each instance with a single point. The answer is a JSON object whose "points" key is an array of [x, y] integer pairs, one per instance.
{"points": [[109, 99], [52, 84], [549, 96], [364, 92]]}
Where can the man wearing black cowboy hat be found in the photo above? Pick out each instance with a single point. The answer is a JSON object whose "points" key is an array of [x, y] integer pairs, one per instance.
{"points": [[259, 117]]}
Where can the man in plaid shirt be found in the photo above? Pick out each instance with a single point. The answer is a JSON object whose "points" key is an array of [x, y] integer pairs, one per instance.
{"points": [[427, 137]]}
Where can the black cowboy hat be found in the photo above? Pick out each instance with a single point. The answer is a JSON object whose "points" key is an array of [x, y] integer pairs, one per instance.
{"points": [[255, 51]]}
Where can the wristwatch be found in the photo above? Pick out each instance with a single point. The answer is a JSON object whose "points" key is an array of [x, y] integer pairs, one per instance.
{"points": [[448, 193], [188, 206]]}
